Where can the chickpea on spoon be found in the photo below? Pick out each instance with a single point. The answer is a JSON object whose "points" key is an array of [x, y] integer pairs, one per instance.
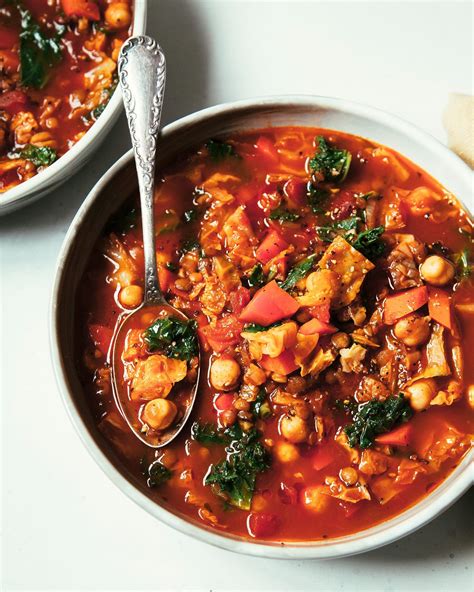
{"points": [[155, 350]]}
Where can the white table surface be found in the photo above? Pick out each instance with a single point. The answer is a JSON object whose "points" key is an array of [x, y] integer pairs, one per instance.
{"points": [[65, 526]]}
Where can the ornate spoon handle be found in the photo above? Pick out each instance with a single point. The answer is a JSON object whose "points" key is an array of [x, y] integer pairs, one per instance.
{"points": [[142, 74]]}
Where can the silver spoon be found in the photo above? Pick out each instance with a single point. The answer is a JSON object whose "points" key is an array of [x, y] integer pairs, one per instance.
{"points": [[142, 74]]}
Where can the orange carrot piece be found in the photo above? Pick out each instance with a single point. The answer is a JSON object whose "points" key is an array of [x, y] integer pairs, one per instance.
{"points": [[403, 303]]}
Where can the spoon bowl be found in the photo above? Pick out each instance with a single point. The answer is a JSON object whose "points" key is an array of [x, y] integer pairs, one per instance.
{"points": [[141, 374]]}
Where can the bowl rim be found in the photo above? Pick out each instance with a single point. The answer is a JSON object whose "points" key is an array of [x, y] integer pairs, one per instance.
{"points": [[28, 191], [411, 519]]}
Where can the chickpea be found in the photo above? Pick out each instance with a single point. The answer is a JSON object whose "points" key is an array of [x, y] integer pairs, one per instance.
{"points": [[294, 428], [437, 270], [349, 476], [420, 393], [224, 374], [413, 330], [131, 296], [159, 413], [315, 499], [286, 452], [340, 340], [117, 15]]}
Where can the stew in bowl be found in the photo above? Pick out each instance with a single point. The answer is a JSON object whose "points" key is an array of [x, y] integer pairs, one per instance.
{"points": [[328, 279], [57, 74]]}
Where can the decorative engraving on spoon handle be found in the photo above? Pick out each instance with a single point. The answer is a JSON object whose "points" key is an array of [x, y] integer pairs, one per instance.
{"points": [[142, 75]]}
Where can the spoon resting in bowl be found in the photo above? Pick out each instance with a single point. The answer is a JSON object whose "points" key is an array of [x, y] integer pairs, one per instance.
{"points": [[155, 350]]}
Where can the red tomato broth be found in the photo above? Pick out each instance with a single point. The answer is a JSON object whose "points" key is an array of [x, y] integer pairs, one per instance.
{"points": [[56, 115], [98, 303]]}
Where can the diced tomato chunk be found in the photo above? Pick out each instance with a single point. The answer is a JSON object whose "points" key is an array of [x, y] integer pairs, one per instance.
{"points": [[81, 8], [267, 149], [271, 246], [439, 307], [403, 303], [295, 190], [165, 278], [224, 402], [262, 525], [398, 437], [269, 304], [283, 364], [316, 326], [239, 299], [322, 458], [225, 333], [321, 312], [13, 101], [101, 337], [246, 193]]}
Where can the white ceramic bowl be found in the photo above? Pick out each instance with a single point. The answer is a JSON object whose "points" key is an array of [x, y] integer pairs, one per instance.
{"points": [[75, 158], [120, 181]]}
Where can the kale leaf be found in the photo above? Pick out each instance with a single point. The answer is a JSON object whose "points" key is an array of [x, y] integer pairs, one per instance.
{"points": [[376, 417], [256, 328], [173, 337], [370, 243], [157, 474], [38, 52], [256, 278], [367, 242], [234, 478], [190, 215], [318, 199], [298, 272], [39, 155], [207, 433], [284, 215], [330, 163], [219, 150], [345, 227], [261, 407], [191, 244]]}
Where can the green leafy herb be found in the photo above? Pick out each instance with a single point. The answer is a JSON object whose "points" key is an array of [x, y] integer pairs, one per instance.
{"points": [[219, 150], [173, 337], [376, 417], [367, 242], [256, 278], [256, 328], [298, 272], [330, 163], [370, 195], [190, 215], [207, 434], [261, 407], [370, 243], [38, 52], [39, 155], [284, 215], [463, 264], [190, 245], [234, 478], [318, 199], [158, 474], [171, 266], [97, 112], [345, 227]]}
